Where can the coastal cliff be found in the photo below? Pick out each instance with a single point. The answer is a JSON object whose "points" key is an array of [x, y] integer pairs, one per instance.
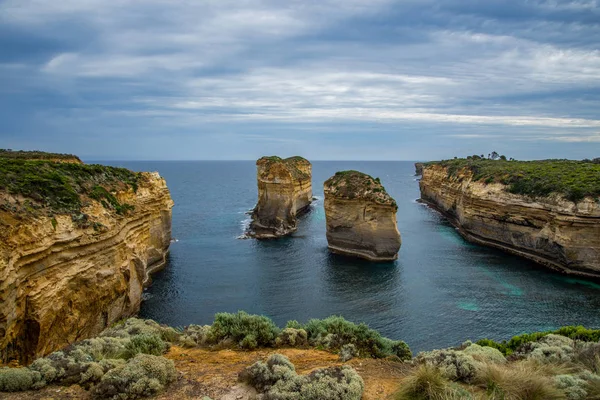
{"points": [[361, 217], [487, 202], [78, 243], [284, 192]]}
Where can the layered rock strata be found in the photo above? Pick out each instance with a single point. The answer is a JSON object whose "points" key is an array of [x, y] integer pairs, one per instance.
{"points": [[361, 217], [66, 277], [284, 192], [552, 231]]}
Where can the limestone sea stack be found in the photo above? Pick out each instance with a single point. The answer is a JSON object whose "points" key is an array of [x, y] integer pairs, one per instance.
{"points": [[418, 169], [361, 217], [507, 205], [77, 245], [284, 192]]}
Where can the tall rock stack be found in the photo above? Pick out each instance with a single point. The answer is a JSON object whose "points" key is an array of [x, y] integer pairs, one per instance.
{"points": [[361, 217], [284, 192]]}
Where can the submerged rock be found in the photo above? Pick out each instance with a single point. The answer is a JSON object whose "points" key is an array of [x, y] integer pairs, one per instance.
{"points": [[361, 217], [284, 192]]}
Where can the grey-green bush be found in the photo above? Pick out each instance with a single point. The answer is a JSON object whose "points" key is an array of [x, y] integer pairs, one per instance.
{"points": [[348, 352], [142, 376], [19, 379], [277, 380], [453, 364], [292, 337]]}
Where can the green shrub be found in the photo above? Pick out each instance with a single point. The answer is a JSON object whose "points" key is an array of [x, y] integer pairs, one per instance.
{"points": [[19, 379], [277, 380], [146, 344], [573, 332], [144, 375], [334, 332], [248, 331]]}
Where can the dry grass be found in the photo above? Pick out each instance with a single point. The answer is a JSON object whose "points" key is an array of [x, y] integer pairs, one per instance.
{"points": [[427, 383], [523, 380]]}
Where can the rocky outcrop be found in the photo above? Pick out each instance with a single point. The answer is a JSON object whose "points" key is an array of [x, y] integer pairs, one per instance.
{"points": [[552, 231], [65, 277], [361, 217], [418, 169], [284, 192]]}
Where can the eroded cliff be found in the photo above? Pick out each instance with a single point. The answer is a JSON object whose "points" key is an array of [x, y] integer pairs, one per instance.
{"points": [[361, 217], [551, 230], [78, 242], [284, 192]]}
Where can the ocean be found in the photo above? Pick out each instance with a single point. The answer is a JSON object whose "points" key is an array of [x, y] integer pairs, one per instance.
{"points": [[440, 292]]}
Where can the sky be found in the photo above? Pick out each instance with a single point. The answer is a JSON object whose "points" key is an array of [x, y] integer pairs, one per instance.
{"points": [[327, 79]]}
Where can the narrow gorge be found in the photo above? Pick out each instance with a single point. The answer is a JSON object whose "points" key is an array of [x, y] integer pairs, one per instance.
{"points": [[525, 208], [284, 192], [361, 217], [78, 243]]}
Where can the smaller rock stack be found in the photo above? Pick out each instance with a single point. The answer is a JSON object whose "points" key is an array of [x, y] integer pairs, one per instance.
{"points": [[284, 192], [418, 169], [361, 217]]}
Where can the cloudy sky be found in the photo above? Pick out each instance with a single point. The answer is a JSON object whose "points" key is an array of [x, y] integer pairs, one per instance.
{"points": [[327, 79]]}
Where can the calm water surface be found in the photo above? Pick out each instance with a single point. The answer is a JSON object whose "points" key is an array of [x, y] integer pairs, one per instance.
{"points": [[441, 291]]}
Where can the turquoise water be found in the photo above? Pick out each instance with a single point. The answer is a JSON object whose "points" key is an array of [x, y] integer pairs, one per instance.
{"points": [[440, 292]]}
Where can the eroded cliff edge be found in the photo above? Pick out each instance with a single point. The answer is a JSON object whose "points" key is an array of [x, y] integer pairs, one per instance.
{"points": [[284, 192], [559, 233], [361, 217], [78, 242]]}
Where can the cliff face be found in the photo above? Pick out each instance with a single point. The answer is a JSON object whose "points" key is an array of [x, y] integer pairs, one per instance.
{"points": [[67, 277], [552, 231], [361, 217], [284, 192]]}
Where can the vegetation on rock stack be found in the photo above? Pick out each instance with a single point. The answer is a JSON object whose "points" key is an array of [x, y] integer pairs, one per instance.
{"points": [[357, 185], [37, 185], [291, 163], [572, 179]]}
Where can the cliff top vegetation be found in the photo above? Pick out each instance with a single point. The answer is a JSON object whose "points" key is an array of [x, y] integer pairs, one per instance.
{"points": [[38, 155], [572, 179], [40, 186], [133, 359], [358, 185], [293, 165]]}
